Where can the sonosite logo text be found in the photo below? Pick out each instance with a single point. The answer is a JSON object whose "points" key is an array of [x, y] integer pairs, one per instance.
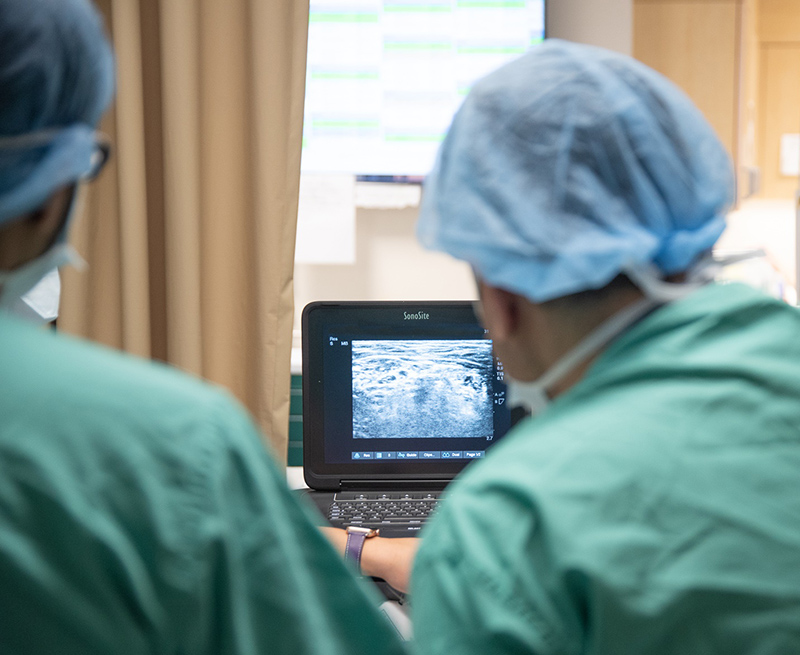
{"points": [[419, 316]]}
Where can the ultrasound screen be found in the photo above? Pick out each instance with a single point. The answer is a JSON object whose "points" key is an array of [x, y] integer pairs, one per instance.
{"points": [[422, 389], [397, 388]]}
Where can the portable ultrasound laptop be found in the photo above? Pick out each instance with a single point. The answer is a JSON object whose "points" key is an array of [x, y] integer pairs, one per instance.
{"points": [[398, 397]]}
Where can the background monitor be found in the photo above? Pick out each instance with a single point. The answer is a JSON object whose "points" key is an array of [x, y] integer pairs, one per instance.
{"points": [[384, 77]]}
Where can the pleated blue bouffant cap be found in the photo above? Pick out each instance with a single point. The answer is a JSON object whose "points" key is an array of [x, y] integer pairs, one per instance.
{"points": [[571, 165], [56, 80]]}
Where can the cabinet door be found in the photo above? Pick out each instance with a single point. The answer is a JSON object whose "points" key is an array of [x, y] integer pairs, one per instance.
{"points": [[697, 45], [779, 113]]}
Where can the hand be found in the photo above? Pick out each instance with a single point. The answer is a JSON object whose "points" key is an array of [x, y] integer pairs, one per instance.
{"points": [[390, 559]]}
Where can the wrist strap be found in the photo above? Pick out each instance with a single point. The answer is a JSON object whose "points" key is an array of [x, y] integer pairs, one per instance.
{"points": [[356, 536], [354, 547]]}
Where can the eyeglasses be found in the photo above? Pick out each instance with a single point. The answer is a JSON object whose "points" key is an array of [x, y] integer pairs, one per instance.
{"points": [[100, 156]]}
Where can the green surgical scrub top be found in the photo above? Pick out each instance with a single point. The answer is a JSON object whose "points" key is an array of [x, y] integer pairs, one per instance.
{"points": [[140, 513], [654, 508]]}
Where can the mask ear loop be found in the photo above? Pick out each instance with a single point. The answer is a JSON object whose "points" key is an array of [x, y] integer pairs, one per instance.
{"points": [[29, 139], [657, 292], [596, 339], [535, 393]]}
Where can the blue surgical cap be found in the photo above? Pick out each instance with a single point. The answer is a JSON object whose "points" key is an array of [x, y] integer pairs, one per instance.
{"points": [[571, 165], [56, 79]]}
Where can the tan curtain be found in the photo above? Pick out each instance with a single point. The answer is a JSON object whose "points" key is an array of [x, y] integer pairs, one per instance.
{"points": [[190, 232]]}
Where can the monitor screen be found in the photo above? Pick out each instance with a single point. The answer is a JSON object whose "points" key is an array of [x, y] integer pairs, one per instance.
{"points": [[411, 398], [384, 77]]}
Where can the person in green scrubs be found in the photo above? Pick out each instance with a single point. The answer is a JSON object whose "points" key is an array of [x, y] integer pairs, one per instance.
{"points": [[139, 510], [651, 503]]}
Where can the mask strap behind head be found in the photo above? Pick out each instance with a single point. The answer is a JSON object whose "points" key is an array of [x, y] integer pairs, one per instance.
{"points": [[650, 282]]}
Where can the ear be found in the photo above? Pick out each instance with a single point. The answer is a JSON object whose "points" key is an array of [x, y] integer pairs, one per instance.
{"points": [[47, 221], [500, 311], [33, 233]]}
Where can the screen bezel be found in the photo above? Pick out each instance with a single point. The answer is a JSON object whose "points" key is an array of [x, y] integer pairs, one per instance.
{"points": [[316, 318]]}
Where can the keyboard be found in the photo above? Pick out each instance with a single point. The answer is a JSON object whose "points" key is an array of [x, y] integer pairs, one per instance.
{"points": [[383, 509]]}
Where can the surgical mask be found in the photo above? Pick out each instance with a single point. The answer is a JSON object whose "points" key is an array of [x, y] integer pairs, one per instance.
{"points": [[17, 285], [40, 304], [533, 396]]}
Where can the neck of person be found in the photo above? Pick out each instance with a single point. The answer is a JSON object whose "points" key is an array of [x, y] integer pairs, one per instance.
{"points": [[562, 326]]}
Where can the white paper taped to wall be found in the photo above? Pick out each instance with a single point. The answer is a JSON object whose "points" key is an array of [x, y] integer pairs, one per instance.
{"points": [[790, 155], [326, 220]]}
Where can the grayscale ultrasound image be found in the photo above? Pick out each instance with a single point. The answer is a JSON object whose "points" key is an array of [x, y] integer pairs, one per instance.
{"points": [[430, 389]]}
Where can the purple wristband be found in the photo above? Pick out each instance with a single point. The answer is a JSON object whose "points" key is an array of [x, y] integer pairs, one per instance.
{"points": [[356, 536]]}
